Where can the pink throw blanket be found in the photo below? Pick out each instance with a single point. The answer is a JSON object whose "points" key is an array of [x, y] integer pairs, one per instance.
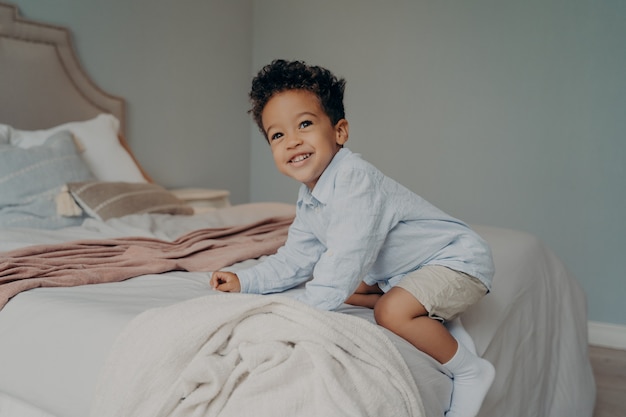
{"points": [[110, 260]]}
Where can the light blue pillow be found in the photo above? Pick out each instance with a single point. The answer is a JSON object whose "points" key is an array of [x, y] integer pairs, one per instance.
{"points": [[31, 179]]}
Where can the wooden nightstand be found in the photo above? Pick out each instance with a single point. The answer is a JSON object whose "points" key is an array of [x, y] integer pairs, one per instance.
{"points": [[203, 199]]}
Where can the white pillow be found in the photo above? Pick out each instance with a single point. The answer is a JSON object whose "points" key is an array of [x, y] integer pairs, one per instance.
{"points": [[103, 152]]}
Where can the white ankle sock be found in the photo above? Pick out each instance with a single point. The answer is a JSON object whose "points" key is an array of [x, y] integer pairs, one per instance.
{"points": [[456, 329], [472, 378]]}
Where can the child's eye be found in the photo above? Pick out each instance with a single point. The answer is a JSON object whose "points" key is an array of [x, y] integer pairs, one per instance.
{"points": [[276, 136], [305, 123]]}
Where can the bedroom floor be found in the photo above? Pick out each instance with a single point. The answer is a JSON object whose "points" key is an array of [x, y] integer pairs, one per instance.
{"points": [[609, 368]]}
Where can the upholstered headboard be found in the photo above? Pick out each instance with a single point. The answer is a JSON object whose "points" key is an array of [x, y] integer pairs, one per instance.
{"points": [[42, 84]]}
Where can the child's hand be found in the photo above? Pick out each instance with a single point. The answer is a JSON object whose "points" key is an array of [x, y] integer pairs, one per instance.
{"points": [[225, 281]]}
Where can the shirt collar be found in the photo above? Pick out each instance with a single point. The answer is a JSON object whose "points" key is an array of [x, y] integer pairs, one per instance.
{"points": [[325, 184]]}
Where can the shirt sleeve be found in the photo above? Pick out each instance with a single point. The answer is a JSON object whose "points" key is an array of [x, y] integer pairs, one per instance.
{"points": [[359, 222], [291, 265]]}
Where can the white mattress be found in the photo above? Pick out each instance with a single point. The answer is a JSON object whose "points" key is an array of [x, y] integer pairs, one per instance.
{"points": [[532, 327]]}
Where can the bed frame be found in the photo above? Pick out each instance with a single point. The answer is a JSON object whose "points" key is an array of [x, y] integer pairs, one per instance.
{"points": [[39, 59]]}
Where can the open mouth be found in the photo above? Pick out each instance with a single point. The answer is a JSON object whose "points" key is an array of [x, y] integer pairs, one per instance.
{"points": [[300, 158]]}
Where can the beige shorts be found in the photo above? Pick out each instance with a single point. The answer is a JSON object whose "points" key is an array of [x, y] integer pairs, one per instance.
{"points": [[444, 292]]}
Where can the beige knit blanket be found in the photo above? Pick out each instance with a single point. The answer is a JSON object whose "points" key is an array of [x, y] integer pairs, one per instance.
{"points": [[239, 355], [110, 260]]}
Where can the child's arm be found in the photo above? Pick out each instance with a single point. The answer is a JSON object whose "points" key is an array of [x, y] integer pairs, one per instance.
{"points": [[225, 281], [290, 266]]}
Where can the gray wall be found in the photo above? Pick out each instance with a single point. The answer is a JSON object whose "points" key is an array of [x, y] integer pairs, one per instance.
{"points": [[509, 113], [500, 112], [183, 67]]}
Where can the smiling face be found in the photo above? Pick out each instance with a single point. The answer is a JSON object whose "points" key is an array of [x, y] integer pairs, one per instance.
{"points": [[302, 137]]}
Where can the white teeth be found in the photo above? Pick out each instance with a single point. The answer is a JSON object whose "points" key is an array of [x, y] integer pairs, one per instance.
{"points": [[301, 157]]}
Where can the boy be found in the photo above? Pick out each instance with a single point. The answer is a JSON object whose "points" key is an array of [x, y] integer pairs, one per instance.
{"points": [[364, 238]]}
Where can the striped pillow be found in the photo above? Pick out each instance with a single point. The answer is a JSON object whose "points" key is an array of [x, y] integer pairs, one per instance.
{"points": [[106, 200]]}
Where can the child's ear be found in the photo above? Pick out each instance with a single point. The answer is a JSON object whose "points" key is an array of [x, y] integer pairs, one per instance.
{"points": [[342, 131]]}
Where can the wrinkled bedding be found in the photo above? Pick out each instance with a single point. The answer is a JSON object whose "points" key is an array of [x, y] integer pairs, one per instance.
{"points": [[97, 261], [58, 339], [217, 356], [532, 327]]}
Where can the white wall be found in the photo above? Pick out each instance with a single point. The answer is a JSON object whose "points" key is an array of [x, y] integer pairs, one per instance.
{"points": [[183, 68], [509, 113]]}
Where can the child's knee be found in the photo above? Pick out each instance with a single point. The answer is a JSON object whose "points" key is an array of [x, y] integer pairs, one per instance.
{"points": [[396, 308], [378, 311], [384, 312]]}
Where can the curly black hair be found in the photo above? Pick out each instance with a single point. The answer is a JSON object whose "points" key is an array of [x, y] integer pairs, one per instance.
{"points": [[281, 75]]}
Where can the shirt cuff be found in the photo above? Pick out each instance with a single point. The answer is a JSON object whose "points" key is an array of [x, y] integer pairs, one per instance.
{"points": [[247, 282]]}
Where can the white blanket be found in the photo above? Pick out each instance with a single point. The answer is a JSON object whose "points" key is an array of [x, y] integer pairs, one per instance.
{"points": [[243, 355]]}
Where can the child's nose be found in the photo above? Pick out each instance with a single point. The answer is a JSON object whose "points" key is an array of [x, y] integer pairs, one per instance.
{"points": [[294, 140]]}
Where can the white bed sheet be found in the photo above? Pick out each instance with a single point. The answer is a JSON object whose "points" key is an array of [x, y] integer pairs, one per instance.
{"points": [[56, 340], [532, 327]]}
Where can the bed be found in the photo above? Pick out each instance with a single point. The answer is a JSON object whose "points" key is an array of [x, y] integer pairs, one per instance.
{"points": [[145, 335]]}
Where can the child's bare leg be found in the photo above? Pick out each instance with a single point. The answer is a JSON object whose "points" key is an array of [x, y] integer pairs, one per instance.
{"points": [[404, 315], [365, 296], [401, 313], [456, 329]]}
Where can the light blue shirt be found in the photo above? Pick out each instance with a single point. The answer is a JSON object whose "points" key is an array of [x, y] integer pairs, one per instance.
{"points": [[360, 225]]}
